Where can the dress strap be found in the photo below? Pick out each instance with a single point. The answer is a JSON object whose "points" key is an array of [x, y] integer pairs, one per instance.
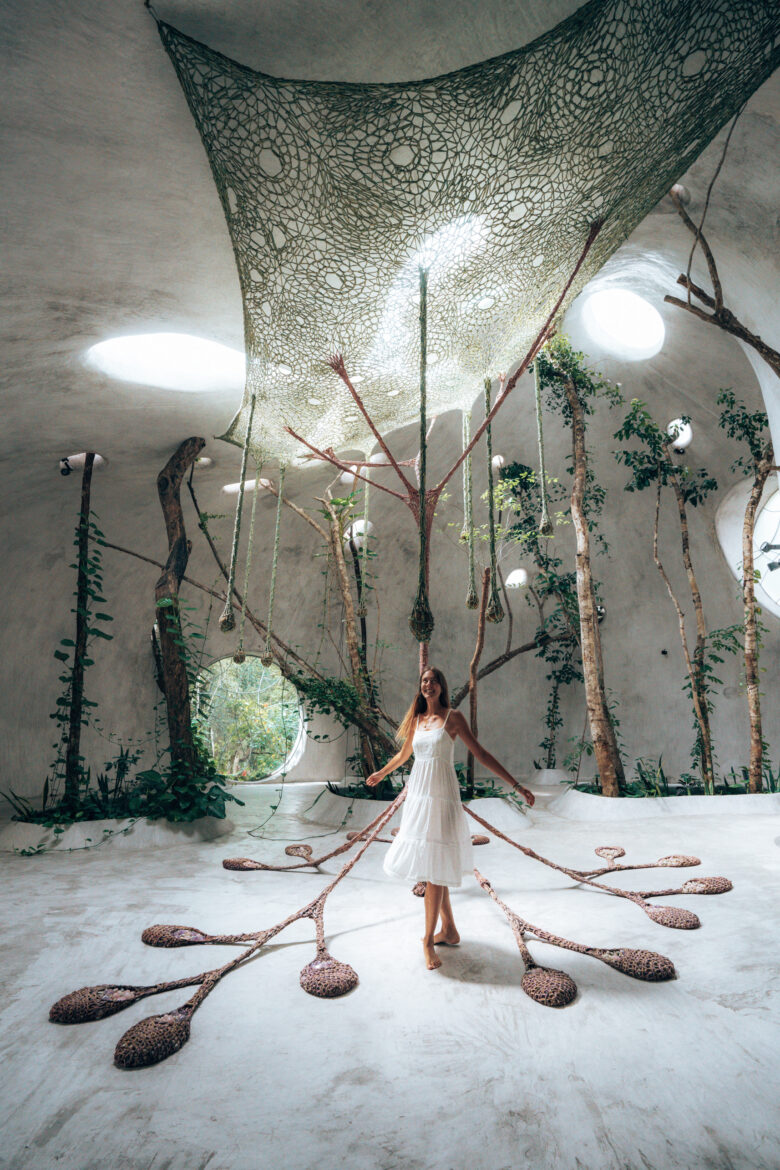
{"points": [[446, 717]]}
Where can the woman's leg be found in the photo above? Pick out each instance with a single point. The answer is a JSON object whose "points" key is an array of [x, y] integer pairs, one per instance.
{"points": [[433, 900], [449, 932]]}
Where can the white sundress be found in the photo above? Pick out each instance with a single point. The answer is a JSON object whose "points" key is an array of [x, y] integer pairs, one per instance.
{"points": [[434, 841]]}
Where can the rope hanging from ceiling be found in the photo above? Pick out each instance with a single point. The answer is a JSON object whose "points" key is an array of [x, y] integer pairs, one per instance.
{"points": [[362, 609], [467, 534], [341, 191], [227, 621], [421, 618], [545, 523], [239, 655], [267, 656], [495, 610]]}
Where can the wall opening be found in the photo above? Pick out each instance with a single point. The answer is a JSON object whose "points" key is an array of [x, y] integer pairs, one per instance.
{"points": [[249, 717]]}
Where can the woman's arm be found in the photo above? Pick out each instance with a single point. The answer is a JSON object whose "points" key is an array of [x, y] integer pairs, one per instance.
{"points": [[462, 729], [399, 758]]}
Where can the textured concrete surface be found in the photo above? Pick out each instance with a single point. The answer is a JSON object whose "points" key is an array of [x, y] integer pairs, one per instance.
{"points": [[112, 225], [415, 1070]]}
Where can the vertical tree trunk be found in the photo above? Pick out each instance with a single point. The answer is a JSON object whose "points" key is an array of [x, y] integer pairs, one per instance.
{"points": [[755, 767], [72, 750], [698, 681], [473, 666], [698, 699], [602, 731], [359, 675], [166, 595]]}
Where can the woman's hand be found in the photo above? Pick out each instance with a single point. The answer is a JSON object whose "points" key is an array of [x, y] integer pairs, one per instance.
{"points": [[376, 778], [527, 796]]}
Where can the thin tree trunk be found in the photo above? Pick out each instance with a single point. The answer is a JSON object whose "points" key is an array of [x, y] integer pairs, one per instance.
{"points": [[756, 763], [166, 595], [73, 768], [473, 678], [359, 679], [699, 701], [698, 681], [602, 730]]}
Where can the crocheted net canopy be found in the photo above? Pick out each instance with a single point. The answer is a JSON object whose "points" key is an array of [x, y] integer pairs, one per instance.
{"points": [[490, 176]]}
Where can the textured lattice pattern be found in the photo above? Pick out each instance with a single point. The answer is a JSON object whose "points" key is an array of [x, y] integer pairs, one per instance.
{"points": [[490, 176]]}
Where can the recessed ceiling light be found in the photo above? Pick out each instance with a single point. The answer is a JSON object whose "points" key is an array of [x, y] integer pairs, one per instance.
{"points": [[170, 361], [624, 323]]}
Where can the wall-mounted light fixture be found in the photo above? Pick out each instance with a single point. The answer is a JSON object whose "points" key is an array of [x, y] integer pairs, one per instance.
{"points": [[680, 432]]}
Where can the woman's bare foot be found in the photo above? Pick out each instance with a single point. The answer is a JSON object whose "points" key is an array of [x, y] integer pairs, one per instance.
{"points": [[432, 960], [447, 936]]}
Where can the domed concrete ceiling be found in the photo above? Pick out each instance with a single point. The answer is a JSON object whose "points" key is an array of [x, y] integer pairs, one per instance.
{"points": [[113, 225]]}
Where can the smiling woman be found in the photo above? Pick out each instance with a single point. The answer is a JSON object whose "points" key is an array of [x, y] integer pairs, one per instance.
{"points": [[171, 361]]}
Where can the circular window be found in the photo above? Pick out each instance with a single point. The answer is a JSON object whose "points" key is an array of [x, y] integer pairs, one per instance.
{"points": [[766, 547], [249, 717]]}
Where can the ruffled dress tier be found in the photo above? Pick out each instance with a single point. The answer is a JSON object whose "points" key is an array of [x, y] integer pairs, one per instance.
{"points": [[434, 840]]}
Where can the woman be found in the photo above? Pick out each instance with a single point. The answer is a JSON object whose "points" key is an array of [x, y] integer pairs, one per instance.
{"points": [[433, 844]]}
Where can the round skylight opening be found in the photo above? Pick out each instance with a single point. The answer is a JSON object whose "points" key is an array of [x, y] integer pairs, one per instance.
{"points": [[624, 323], [170, 361]]}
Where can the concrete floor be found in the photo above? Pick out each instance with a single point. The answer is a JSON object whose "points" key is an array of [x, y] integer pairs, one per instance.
{"points": [[443, 1071]]}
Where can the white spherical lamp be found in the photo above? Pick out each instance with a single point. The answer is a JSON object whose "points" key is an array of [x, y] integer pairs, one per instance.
{"points": [[348, 477], [357, 532], [517, 579], [498, 462], [681, 434]]}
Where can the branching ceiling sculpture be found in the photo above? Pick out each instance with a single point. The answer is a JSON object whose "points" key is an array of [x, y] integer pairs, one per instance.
{"points": [[489, 176]]}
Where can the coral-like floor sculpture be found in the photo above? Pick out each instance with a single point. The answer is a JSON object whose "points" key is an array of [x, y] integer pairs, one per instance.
{"points": [[159, 1036]]}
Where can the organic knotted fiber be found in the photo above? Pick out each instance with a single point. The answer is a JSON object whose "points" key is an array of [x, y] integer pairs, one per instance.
{"points": [[489, 177]]}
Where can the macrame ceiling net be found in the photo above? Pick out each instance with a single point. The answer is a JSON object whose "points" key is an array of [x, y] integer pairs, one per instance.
{"points": [[489, 176]]}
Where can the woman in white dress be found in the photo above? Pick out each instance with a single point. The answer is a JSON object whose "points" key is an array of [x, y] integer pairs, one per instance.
{"points": [[433, 844]]}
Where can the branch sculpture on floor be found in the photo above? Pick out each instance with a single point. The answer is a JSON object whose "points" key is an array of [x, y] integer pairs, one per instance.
{"points": [[159, 1036]]}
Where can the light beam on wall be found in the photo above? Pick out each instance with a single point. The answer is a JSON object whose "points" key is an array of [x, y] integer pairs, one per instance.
{"points": [[624, 323], [170, 361]]}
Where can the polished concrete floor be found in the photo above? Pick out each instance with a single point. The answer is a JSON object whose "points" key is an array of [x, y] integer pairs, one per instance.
{"points": [[451, 1070]]}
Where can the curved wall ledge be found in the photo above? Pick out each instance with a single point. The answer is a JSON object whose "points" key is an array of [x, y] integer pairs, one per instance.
{"points": [[583, 806], [16, 836]]}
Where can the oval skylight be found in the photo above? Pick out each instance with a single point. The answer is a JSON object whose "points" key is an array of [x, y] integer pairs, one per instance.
{"points": [[624, 323], [170, 361]]}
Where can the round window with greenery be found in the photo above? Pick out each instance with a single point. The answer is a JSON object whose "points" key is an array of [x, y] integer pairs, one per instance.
{"points": [[249, 717]]}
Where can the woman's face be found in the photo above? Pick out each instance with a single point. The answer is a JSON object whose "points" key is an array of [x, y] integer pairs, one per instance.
{"points": [[429, 686]]}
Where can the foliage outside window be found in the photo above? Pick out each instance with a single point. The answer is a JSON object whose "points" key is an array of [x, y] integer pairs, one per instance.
{"points": [[249, 717]]}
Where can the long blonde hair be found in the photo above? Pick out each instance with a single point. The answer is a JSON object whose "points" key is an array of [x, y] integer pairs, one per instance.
{"points": [[420, 703]]}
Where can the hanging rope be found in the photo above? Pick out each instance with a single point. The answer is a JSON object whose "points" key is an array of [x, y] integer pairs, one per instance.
{"points": [[239, 655], [267, 656], [421, 618], [362, 607], [227, 621], [495, 611], [472, 601], [545, 524]]}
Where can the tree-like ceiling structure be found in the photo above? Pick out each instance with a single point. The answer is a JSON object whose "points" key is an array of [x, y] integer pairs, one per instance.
{"points": [[490, 177]]}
